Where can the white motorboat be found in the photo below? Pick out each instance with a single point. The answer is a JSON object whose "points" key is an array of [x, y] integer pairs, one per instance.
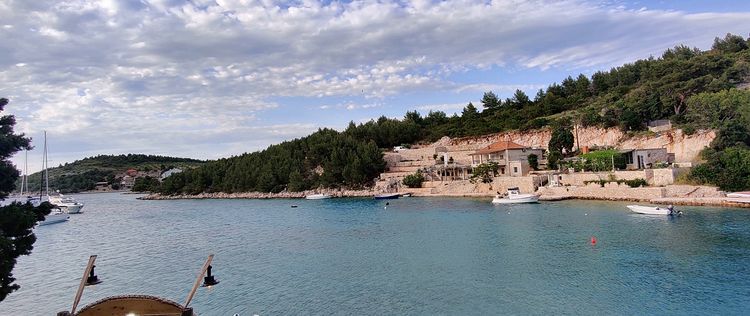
{"points": [[514, 196], [56, 216], [654, 210], [745, 194], [320, 196], [66, 203]]}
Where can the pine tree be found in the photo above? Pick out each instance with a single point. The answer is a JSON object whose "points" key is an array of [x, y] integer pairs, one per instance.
{"points": [[16, 220]]}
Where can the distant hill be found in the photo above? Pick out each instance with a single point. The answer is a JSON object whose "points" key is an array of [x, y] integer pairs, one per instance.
{"points": [[82, 175]]}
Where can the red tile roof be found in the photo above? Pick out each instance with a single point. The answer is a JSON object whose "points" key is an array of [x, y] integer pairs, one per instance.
{"points": [[499, 146]]}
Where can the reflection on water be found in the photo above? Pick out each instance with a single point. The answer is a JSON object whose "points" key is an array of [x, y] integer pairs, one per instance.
{"points": [[418, 256]]}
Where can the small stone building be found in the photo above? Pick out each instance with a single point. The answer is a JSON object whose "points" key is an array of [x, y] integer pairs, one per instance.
{"points": [[646, 158]]}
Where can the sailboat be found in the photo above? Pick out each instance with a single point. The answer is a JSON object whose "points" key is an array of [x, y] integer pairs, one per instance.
{"points": [[57, 215]]}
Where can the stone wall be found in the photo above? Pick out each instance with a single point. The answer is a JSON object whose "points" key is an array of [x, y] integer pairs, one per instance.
{"points": [[654, 177], [526, 184], [693, 191], [610, 191]]}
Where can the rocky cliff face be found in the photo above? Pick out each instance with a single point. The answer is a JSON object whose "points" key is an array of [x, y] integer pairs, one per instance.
{"points": [[685, 147]]}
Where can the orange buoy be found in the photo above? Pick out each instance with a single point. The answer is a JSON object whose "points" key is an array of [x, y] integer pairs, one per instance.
{"points": [[593, 240]]}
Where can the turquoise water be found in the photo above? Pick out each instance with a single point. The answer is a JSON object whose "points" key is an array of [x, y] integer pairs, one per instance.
{"points": [[418, 256]]}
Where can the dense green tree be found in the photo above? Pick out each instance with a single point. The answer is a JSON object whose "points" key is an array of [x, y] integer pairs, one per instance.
{"points": [[533, 161], [296, 182], [146, 184], [469, 112], [490, 100], [325, 158], [712, 110], [732, 133], [730, 44], [728, 169], [16, 219], [562, 140]]}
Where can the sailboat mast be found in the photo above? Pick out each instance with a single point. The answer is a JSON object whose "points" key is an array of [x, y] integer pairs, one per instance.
{"points": [[25, 171], [46, 174], [41, 174]]}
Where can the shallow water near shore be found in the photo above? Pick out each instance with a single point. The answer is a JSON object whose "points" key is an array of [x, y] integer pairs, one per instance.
{"points": [[417, 256]]}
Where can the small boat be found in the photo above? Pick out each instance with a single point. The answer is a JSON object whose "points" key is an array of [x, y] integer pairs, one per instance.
{"points": [[406, 195], [514, 196], [387, 196], [55, 216], [317, 196], [654, 210], [66, 203], [745, 194]]}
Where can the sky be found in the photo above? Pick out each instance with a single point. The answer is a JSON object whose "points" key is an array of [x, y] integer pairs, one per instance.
{"points": [[215, 78]]}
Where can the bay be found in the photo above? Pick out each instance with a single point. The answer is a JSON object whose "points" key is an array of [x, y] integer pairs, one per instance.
{"points": [[417, 256]]}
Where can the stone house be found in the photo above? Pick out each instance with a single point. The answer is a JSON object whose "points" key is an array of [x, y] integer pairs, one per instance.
{"points": [[646, 158], [511, 157]]}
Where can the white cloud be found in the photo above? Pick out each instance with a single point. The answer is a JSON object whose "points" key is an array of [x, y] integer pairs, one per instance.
{"points": [[448, 108]]}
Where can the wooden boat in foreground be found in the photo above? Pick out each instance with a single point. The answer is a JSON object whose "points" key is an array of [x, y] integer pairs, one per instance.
{"points": [[126, 305]]}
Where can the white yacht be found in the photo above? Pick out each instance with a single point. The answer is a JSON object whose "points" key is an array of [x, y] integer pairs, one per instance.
{"points": [[514, 196], [66, 203]]}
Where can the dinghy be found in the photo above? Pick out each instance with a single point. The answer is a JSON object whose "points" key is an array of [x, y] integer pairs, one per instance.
{"points": [[654, 210]]}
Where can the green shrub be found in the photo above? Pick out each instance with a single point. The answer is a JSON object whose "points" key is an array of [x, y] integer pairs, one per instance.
{"points": [[533, 161], [414, 180], [631, 183], [484, 172], [603, 160], [636, 183], [728, 169]]}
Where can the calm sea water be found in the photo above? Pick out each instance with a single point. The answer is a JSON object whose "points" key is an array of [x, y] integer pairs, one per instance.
{"points": [[418, 256]]}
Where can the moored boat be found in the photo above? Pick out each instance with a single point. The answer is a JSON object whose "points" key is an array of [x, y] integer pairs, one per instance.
{"points": [[320, 196], [406, 195], [66, 203], [387, 196], [55, 216], [744, 194], [514, 196], [654, 210]]}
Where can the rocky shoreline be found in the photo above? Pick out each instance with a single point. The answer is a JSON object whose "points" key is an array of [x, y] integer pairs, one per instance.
{"points": [[261, 195], [637, 197]]}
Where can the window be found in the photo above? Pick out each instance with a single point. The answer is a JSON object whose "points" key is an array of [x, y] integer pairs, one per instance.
{"points": [[515, 169]]}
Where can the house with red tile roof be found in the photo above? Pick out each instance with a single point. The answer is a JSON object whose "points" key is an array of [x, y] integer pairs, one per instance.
{"points": [[511, 157]]}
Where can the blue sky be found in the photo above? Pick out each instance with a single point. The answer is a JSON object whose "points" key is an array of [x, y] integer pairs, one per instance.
{"points": [[214, 78]]}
